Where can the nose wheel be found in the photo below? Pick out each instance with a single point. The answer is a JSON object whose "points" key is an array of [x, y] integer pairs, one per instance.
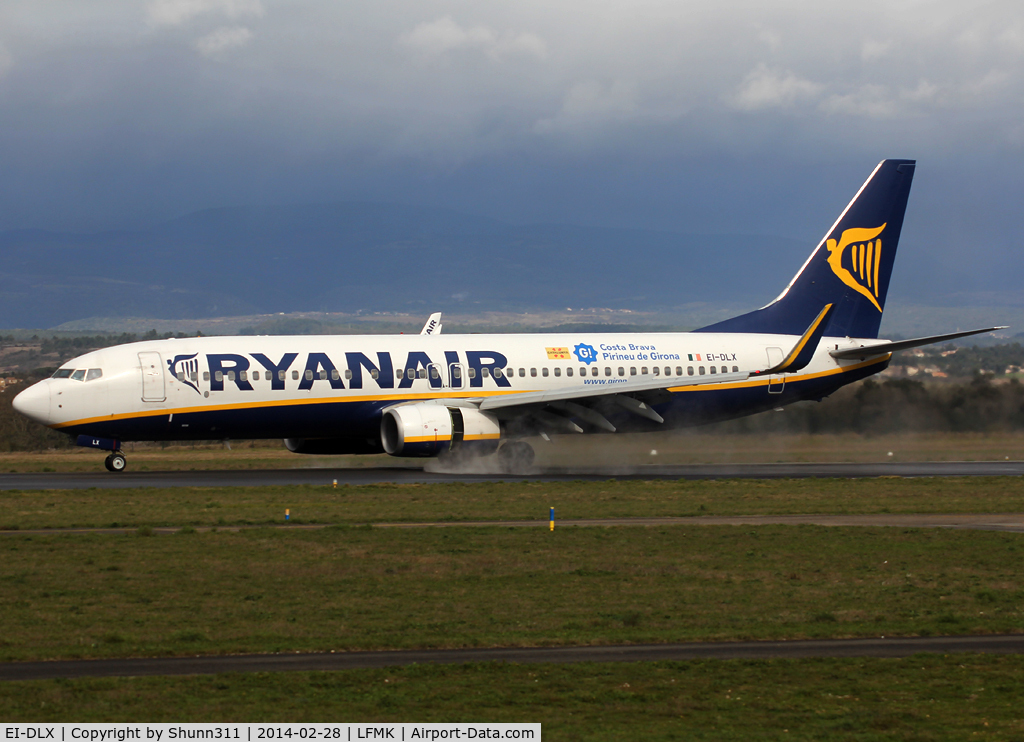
{"points": [[116, 462]]}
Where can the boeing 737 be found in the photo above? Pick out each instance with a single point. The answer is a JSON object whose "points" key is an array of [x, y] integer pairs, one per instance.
{"points": [[433, 394]]}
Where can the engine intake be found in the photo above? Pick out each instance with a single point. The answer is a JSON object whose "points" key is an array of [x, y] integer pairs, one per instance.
{"points": [[426, 429]]}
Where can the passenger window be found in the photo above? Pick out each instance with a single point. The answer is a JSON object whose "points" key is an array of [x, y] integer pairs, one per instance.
{"points": [[348, 374], [700, 370], [622, 371], [657, 371], [231, 375], [522, 372], [335, 375], [558, 371], [643, 370], [280, 375], [243, 375], [533, 372], [456, 372], [435, 375], [471, 373], [735, 369], [714, 370], [510, 372], [544, 371], [78, 375], [181, 376], [485, 372], [679, 371], [607, 371], [668, 371], [632, 370], [689, 370], [93, 373], [593, 371], [308, 374], [255, 375], [218, 376], [206, 375], [422, 373], [62, 373], [295, 375], [568, 371], [374, 374]]}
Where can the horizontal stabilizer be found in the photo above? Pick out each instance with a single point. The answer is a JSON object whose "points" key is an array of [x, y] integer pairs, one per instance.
{"points": [[882, 348]]}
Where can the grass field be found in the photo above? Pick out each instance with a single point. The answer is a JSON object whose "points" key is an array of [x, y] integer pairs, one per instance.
{"points": [[154, 506], [917, 698], [686, 447], [353, 587], [268, 590]]}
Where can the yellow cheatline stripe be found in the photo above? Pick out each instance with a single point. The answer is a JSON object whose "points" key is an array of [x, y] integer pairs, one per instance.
{"points": [[483, 437], [764, 381], [803, 341], [424, 438], [289, 403]]}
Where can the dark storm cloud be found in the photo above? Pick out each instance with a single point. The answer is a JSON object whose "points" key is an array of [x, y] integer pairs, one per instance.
{"points": [[736, 117]]}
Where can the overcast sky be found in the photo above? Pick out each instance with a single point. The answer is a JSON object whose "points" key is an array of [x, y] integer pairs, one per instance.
{"points": [[701, 117]]}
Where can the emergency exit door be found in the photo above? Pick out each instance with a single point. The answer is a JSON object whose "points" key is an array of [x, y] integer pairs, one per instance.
{"points": [[152, 377]]}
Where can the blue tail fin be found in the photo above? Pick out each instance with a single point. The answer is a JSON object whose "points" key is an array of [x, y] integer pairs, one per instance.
{"points": [[850, 268]]}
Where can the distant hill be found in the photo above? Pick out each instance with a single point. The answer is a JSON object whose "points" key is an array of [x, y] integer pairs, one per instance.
{"points": [[350, 256]]}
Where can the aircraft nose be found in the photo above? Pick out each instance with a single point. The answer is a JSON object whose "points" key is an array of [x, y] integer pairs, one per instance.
{"points": [[34, 402]]}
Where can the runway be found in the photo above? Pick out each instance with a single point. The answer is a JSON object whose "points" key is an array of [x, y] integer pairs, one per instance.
{"points": [[320, 662], [399, 475]]}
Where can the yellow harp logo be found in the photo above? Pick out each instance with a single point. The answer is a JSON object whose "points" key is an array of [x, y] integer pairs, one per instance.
{"points": [[860, 270]]}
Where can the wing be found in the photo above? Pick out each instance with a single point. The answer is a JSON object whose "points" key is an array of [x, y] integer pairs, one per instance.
{"points": [[636, 394]]}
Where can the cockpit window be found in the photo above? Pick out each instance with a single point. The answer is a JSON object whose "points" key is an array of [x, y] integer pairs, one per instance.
{"points": [[62, 373], [93, 373], [79, 375]]}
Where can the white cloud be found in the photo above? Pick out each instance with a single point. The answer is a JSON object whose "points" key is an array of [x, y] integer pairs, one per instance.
{"points": [[868, 101], [767, 88], [444, 35], [873, 49], [223, 39], [177, 12], [591, 105]]}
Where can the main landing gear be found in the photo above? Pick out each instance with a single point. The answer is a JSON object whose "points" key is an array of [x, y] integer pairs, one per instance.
{"points": [[515, 457], [116, 462]]}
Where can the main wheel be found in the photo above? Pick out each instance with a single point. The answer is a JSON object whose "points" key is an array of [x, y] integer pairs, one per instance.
{"points": [[515, 457], [116, 462]]}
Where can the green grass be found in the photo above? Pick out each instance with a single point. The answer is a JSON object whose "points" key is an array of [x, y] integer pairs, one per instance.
{"points": [[924, 697], [502, 501], [268, 590]]}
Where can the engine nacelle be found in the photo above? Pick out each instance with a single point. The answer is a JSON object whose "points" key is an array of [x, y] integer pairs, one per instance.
{"points": [[427, 429]]}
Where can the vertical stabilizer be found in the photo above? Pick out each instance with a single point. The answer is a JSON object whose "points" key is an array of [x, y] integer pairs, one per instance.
{"points": [[850, 267]]}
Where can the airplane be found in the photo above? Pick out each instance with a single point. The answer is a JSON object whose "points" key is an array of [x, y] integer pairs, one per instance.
{"points": [[454, 396]]}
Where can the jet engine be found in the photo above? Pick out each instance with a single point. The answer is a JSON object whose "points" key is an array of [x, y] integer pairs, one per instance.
{"points": [[429, 429]]}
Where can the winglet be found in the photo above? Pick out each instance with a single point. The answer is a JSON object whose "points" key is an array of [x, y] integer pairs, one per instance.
{"points": [[804, 349], [433, 326]]}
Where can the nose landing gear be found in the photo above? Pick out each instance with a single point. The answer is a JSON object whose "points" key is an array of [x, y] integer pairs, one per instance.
{"points": [[115, 462]]}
